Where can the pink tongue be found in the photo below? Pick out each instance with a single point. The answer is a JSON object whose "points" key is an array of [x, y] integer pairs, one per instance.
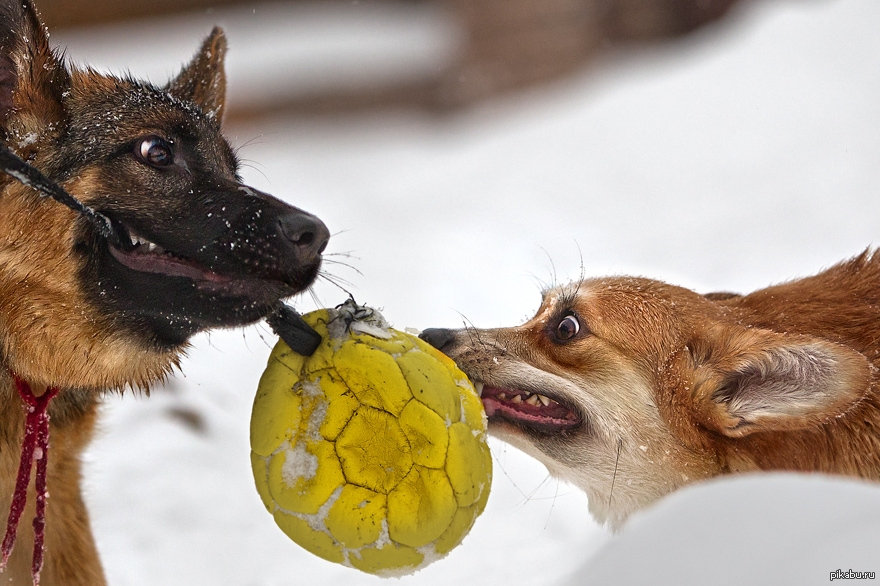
{"points": [[165, 265], [553, 413]]}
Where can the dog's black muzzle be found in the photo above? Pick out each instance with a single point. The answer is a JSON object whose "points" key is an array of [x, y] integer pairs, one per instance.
{"points": [[226, 255], [228, 229]]}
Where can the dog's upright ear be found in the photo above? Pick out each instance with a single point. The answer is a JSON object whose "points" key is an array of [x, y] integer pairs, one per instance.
{"points": [[203, 80], [749, 380], [33, 78]]}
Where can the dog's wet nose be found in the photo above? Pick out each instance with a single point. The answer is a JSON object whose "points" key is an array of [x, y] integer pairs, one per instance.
{"points": [[307, 233], [438, 337]]}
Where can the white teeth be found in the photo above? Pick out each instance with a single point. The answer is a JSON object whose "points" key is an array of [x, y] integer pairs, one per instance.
{"points": [[138, 240], [141, 242], [518, 398]]}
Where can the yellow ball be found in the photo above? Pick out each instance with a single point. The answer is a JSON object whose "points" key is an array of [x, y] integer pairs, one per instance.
{"points": [[372, 452]]}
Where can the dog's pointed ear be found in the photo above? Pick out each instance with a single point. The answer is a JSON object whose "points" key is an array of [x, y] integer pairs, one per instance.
{"points": [[754, 380], [33, 78], [203, 81]]}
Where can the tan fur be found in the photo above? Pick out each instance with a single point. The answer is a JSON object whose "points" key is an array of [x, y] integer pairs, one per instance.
{"points": [[47, 331], [50, 337], [676, 387], [49, 334], [180, 246]]}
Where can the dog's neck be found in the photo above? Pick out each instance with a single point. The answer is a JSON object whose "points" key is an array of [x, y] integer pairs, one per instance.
{"points": [[49, 344], [45, 350]]}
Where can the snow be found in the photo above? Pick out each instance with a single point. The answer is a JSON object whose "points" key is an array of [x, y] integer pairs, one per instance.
{"points": [[742, 156], [798, 531]]}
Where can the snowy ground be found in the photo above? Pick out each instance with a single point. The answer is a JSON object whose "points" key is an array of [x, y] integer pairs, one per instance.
{"points": [[744, 156]]}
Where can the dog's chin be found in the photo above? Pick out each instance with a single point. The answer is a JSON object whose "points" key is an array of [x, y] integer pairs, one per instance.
{"points": [[513, 410]]}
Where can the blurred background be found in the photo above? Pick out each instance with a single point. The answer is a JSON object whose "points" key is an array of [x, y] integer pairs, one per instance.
{"points": [[466, 154], [465, 50]]}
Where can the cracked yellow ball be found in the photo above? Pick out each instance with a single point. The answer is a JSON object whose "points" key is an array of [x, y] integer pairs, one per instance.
{"points": [[372, 452]]}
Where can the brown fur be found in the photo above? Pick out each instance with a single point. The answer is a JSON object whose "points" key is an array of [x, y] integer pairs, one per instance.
{"points": [[673, 387], [88, 315], [48, 331]]}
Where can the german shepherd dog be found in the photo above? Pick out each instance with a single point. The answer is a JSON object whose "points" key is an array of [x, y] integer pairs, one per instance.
{"points": [[630, 388], [199, 250]]}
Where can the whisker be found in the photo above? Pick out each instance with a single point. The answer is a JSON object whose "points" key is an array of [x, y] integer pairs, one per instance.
{"points": [[538, 487], [552, 505], [472, 331], [541, 283], [343, 264], [261, 330], [250, 142], [315, 299], [614, 476], [509, 477], [474, 334], [347, 254], [255, 166], [583, 273], [210, 341], [556, 495], [553, 275], [244, 339], [335, 279]]}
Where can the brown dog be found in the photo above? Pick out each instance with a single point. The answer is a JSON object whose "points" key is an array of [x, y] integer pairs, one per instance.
{"points": [[200, 250], [630, 388]]}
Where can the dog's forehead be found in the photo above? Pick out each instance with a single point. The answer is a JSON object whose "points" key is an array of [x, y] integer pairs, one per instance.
{"points": [[560, 299], [108, 107], [566, 296], [603, 290], [637, 301], [584, 296]]}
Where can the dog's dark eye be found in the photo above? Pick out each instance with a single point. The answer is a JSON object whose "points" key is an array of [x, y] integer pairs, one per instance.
{"points": [[154, 151], [568, 328]]}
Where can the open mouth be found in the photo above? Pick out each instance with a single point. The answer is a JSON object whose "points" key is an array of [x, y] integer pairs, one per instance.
{"points": [[530, 410], [142, 255], [148, 257]]}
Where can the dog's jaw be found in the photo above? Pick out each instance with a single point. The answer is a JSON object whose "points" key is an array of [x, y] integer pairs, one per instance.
{"points": [[148, 257], [622, 465], [535, 410]]}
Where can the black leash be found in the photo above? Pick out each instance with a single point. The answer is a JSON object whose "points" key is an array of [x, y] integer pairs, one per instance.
{"points": [[284, 321], [14, 166]]}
